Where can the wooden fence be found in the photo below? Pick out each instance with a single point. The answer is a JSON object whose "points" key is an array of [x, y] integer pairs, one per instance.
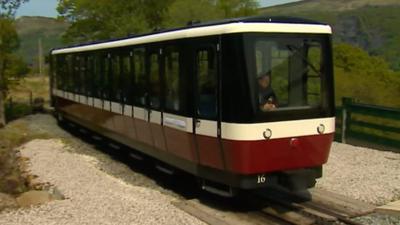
{"points": [[368, 125]]}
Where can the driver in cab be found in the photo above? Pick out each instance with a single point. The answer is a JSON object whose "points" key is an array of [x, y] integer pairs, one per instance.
{"points": [[266, 97]]}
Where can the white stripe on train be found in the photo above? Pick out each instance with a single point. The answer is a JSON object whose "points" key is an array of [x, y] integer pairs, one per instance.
{"points": [[229, 131]]}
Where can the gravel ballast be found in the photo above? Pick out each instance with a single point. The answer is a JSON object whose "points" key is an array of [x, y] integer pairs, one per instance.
{"points": [[368, 175], [93, 196]]}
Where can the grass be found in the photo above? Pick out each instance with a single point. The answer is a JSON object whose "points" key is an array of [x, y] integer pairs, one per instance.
{"points": [[22, 92], [17, 132], [38, 85]]}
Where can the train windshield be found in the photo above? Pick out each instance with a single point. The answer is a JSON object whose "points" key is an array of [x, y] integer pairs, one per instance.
{"points": [[288, 73]]}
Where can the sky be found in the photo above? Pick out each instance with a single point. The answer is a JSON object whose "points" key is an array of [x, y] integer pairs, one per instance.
{"points": [[38, 8], [265, 3], [48, 7]]}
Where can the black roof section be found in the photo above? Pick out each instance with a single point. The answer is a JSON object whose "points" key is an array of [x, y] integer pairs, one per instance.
{"points": [[195, 24]]}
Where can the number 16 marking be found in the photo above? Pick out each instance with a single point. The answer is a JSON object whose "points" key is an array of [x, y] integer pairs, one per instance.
{"points": [[261, 179]]}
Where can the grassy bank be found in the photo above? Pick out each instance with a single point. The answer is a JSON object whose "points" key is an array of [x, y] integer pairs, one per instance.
{"points": [[17, 132], [13, 135], [23, 92], [37, 85]]}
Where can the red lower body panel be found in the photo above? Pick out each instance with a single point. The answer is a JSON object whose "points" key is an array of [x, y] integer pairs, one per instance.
{"points": [[181, 144], [234, 157], [158, 136], [250, 157], [210, 153], [144, 132]]}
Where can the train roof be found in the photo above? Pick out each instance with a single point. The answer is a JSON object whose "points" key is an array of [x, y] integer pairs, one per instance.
{"points": [[197, 29]]}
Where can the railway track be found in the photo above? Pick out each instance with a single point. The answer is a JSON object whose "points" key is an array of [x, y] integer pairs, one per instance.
{"points": [[276, 207]]}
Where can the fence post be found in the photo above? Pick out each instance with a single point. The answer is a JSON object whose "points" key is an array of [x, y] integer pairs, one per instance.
{"points": [[346, 117]]}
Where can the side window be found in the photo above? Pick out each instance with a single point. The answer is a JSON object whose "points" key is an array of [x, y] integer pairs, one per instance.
{"points": [[89, 75], [127, 81], [97, 72], [155, 81], [53, 73], [106, 74], [139, 77], [206, 84], [82, 75], [115, 78], [172, 84], [69, 73], [61, 70], [76, 74]]}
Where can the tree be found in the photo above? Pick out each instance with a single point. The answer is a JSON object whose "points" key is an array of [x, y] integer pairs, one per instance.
{"points": [[17, 67], [8, 43], [9, 7], [364, 77], [181, 12], [104, 19], [237, 8]]}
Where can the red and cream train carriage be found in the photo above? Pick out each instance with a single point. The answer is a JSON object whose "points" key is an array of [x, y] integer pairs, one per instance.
{"points": [[191, 97]]}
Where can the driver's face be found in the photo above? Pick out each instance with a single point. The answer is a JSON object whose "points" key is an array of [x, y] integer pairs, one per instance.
{"points": [[264, 82]]}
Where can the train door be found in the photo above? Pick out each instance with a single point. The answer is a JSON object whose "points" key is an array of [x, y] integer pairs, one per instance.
{"points": [[154, 71], [141, 109], [206, 91]]}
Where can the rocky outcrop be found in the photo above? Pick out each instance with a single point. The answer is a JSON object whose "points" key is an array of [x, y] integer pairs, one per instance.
{"points": [[39, 197], [33, 198], [7, 202]]}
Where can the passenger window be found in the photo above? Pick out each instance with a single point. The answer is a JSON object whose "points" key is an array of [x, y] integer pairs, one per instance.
{"points": [[97, 71], [172, 71], [62, 72], [155, 84], [69, 74], [89, 75], [82, 73], [127, 79], [207, 84], [116, 76], [106, 77], [140, 76], [76, 74]]}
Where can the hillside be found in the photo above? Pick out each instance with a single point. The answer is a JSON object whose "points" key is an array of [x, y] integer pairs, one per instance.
{"points": [[369, 24], [327, 5], [31, 29]]}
